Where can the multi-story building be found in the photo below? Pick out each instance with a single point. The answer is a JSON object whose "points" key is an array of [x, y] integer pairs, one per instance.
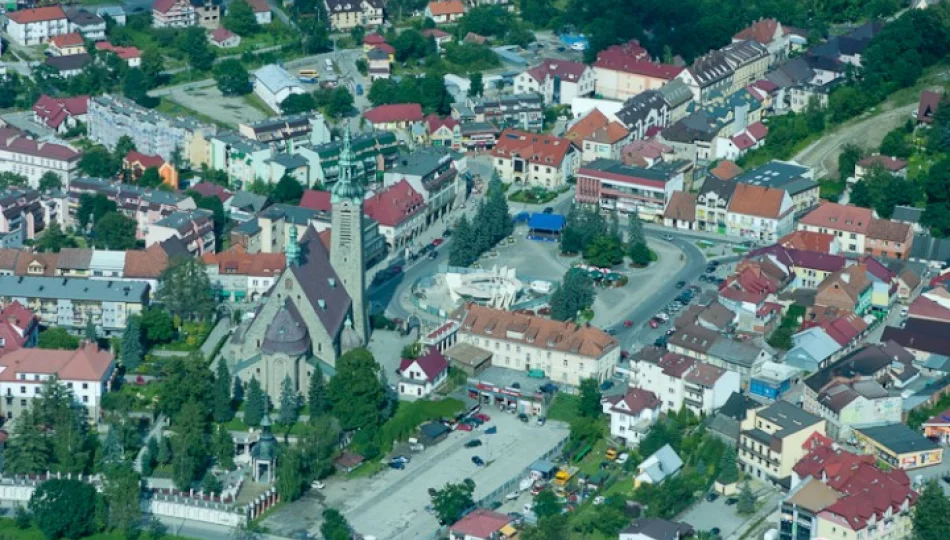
{"points": [[644, 114], [237, 275], [720, 116], [859, 231], [60, 114], [273, 84], [726, 70], [679, 381], [772, 441], [797, 180], [712, 205], [518, 111], [19, 154], [770, 34], [246, 161], [623, 71], [66, 45], [617, 187], [597, 137], [86, 372], [432, 173], [375, 152], [535, 160], [565, 352], [632, 414], [90, 25], [111, 117], [400, 211], [285, 132], [22, 212], [195, 228], [145, 206], [71, 303], [184, 13], [557, 81], [35, 26], [677, 96], [759, 213], [347, 14], [847, 404]]}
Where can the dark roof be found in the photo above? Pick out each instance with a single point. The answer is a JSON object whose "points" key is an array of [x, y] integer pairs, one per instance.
{"points": [[928, 248], [737, 405], [788, 416], [722, 189], [659, 529], [434, 430], [907, 214], [921, 335], [69, 63], [639, 106], [320, 283], [864, 362], [898, 438], [286, 333]]}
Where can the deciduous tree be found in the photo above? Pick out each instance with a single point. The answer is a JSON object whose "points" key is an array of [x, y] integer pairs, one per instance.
{"points": [[576, 293], [114, 231], [57, 338], [931, 513], [231, 75], [335, 526], [50, 180], [287, 190], [240, 19], [452, 500], [589, 404], [357, 396], [546, 504], [64, 508]]}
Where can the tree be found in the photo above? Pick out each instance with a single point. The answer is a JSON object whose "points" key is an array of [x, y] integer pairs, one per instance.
{"points": [[27, 451], [317, 399], [111, 454], [452, 501], [223, 410], [135, 86], [240, 19], [289, 403], [604, 251], [358, 33], [185, 289], [150, 457], [589, 405], [53, 239], [640, 254], [357, 396], [153, 64], [576, 293], [131, 350], [290, 474], [476, 86], [896, 144], [861, 195], [287, 190], [550, 528], [231, 75], [237, 393], [165, 451], [50, 181], [462, 251], [850, 155], [157, 326], [92, 208], [222, 445], [90, 333], [340, 103], [932, 513], [121, 490], [114, 231], [746, 504], [210, 483], [150, 178], [815, 115], [194, 44], [57, 338], [728, 471], [635, 234], [297, 104], [546, 504], [190, 456], [99, 163], [335, 526], [64, 508], [254, 404], [186, 379]]}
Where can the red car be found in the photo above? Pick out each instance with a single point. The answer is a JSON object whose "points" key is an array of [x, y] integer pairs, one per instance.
{"points": [[438, 241], [465, 427], [654, 323], [483, 417], [627, 323]]}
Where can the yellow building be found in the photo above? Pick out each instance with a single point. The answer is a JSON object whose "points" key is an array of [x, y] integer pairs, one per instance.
{"points": [[899, 446], [771, 441]]}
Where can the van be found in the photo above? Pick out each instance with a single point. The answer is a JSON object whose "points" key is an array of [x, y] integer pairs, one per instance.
{"points": [[308, 73], [329, 64], [904, 311]]}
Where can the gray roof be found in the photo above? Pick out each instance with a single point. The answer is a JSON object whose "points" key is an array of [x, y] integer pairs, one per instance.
{"points": [[249, 227], [74, 258], [275, 78], [928, 248], [659, 529], [321, 284], [639, 107], [81, 17], [247, 201], [182, 218], [793, 72], [290, 161], [790, 418], [735, 352], [73, 289], [785, 175], [294, 214], [613, 166], [69, 63], [421, 162], [125, 191], [907, 214], [898, 438], [675, 93], [279, 122], [286, 333]]}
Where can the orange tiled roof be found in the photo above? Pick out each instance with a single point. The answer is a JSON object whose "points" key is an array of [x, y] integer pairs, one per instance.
{"points": [[757, 201], [532, 147], [238, 261]]}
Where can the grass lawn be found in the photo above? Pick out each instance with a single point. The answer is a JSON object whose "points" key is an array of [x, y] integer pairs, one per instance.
{"points": [[253, 100], [830, 190], [236, 424], [9, 531], [172, 108], [366, 470], [564, 408]]}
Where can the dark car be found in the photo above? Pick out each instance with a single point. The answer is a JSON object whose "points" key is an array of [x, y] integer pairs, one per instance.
{"points": [[548, 210], [712, 496], [523, 417], [474, 443], [606, 385], [433, 254], [946, 478], [398, 465], [447, 233], [660, 342], [479, 462], [680, 284], [731, 501], [714, 531], [548, 388], [516, 385]]}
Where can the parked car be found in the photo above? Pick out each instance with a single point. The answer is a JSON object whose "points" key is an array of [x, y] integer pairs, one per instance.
{"points": [[680, 284], [404, 459], [606, 385], [599, 500], [318, 484], [712, 496], [512, 496], [548, 210], [668, 237], [660, 342], [654, 323], [398, 465], [483, 417], [523, 417], [438, 242], [627, 323], [474, 443], [465, 427], [731, 501], [542, 420], [622, 458], [714, 531], [479, 462], [548, 388]]}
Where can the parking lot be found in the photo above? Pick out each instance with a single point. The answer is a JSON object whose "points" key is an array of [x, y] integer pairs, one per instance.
{"points": [[705, 515], [392, 504]]}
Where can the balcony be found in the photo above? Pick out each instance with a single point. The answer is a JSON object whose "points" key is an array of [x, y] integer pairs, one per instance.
{"points": [[764, 456]]}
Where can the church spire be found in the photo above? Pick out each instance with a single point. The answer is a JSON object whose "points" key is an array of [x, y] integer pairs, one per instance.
{"points": [[348, 185], [292, 249]]}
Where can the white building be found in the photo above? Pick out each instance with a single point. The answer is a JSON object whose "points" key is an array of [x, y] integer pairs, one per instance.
{"points": [[536, 160], [420, 376], [273, 84], [22, 155], [35, 26], [662, 464], [567, 353], [632, 414], [86, 372], [682, 381], [557, 81], [760, 213]]}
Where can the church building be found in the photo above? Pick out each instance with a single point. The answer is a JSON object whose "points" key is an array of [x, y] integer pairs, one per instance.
{"points": [[316, 309]]}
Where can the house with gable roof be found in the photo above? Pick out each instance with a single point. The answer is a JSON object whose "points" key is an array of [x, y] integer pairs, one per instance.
{"points": [[769, 33], [623, 71], [536, 160], [400, 211], [445, 11], [273, 84], [662, 464], [772, 441], [597, 137], [445, 132], [348, 14], [19, 328], [631, 414], [421, 375], [557, 81], [60, 114], [760, 213], [36, 25]]}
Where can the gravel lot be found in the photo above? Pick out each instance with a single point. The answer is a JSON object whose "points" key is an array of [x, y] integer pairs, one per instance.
{"points": [[392, 504]]}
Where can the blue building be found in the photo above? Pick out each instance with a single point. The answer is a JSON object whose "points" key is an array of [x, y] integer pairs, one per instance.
{"points": [[773, 380]]}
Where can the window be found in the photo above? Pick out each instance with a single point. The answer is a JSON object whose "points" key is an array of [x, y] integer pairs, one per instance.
{"points": [[85, 399], [85, 386], [22, 389]]}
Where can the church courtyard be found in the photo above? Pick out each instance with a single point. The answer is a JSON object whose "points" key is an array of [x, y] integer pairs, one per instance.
{"points": [[392, 504]]}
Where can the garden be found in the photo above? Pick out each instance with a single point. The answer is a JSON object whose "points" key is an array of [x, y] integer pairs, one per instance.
{"points": [[536, 195]]}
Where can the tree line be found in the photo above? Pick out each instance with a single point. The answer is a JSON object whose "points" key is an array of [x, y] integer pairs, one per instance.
{"points": [[491, 224]]}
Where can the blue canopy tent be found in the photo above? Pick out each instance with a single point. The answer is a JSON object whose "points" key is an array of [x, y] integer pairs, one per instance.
{"points": [[546, 227]]}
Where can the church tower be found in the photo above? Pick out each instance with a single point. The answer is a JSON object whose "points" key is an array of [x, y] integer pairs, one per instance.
{"points": [[346, 235]]}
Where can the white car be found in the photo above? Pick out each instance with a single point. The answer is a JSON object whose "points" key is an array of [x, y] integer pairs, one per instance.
{"points": [[511, 496], [599, 500], [622, 458], [318, 484], [668, 237]]}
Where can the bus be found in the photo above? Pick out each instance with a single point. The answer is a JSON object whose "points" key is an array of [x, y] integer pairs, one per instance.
{"points": [[308, 75]]}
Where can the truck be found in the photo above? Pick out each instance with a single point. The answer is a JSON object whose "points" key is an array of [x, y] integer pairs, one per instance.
{"points": [[564, 476], [611, 454]]}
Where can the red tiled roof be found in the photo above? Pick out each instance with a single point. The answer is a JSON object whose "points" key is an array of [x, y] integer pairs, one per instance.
{"points": [[808, 241], [682, 207], [402, 112], [637, 400], [436, 33], [434, 122], [16, 323], [762, 31], [144, 160], [125, 53], [238, 261], [88, 363], [386, 48], [162, 6], [221, 34], [373, 39], [432, 363], [596, 126], [25, 16], [940, 419], [765, 85], [726, 170], [758, 130], [839, 217], [929, 101], [207, 189], [925, 308], [563, 69], [394, 205], [316, 200], [633, 58], [16, 142], [147, 264], [743, 141], [885, 162], [54, 111], [447, 7], [259, 6], [532, 147], [757, 201], [481, 523], [71, 39]]}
